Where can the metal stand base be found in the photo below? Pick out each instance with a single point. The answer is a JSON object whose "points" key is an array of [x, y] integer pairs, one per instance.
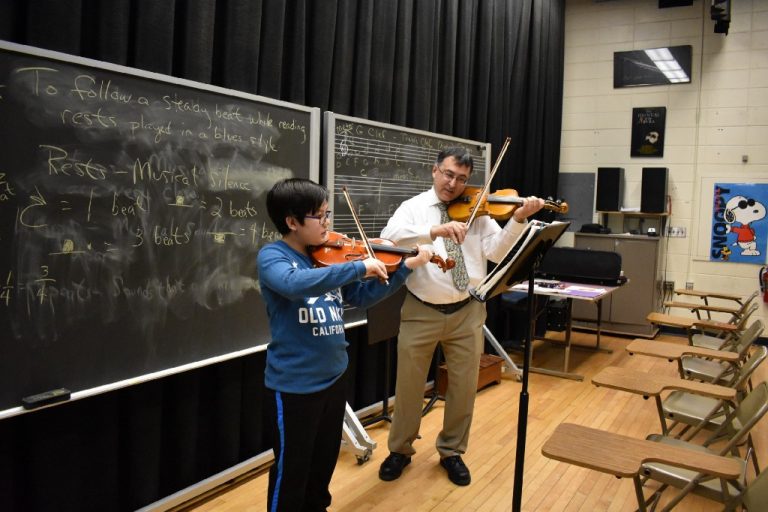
{"points": [[355, 439], [511, 366]]}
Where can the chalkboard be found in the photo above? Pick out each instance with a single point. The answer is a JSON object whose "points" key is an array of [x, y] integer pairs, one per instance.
{"points": [[132, 207], [382, 165]]}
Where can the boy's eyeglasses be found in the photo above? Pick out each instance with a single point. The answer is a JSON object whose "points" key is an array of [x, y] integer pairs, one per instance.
{"points": [[322, 217], [449, 176]]}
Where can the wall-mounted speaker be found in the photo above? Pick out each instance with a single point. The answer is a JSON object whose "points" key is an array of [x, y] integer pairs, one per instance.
{"points": [[653, 194], [610, 189]]}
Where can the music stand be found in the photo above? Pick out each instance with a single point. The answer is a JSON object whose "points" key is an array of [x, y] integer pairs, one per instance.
{"points": [[383, 326], [520, 264]]}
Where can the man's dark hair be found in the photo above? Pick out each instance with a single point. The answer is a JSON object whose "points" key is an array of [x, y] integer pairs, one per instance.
{"points": [[294, 197], [462, 156]]}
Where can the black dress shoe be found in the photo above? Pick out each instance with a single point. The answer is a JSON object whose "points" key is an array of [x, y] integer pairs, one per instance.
{"points": [[393, 465], [458, 473]]}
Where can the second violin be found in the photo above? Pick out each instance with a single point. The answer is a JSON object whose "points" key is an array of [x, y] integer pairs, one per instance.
{"points": [[340, 249], [499, 205]]}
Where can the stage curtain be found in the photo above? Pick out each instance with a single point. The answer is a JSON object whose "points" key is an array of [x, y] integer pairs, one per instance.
{"points": [[477, 69]]}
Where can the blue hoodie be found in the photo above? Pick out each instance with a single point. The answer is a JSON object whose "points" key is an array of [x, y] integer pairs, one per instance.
{"points": [[308, 350]]}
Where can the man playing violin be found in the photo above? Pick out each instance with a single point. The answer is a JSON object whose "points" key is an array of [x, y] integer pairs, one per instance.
{"points": [[438, 309], [307, 355]]}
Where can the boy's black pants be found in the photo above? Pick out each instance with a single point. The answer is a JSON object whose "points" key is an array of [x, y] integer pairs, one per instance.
{"points": [[306, 434]]}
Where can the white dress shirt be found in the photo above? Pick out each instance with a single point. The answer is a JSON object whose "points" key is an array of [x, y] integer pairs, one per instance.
{"points": [[486, 240]]}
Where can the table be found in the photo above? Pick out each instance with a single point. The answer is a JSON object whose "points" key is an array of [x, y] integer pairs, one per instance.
{"points": [[624, 456], [569, 291]]}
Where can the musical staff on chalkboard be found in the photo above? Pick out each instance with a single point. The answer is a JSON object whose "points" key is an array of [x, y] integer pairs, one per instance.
{"points": [[383, 165]]}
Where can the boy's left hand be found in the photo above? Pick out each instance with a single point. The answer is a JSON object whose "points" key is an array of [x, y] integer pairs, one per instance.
{"points": [[420, 259]]}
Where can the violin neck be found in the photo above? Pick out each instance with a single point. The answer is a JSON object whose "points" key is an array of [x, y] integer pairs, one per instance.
{"points": [[504, 199], [394, 249], [548, 205]]}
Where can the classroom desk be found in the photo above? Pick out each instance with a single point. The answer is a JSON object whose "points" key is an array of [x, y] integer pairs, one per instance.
{"points": [[624, 456], [649, 384], [676, 352], [570, 292]]}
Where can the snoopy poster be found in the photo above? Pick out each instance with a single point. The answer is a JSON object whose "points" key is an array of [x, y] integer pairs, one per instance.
{"points": [[739, 226]]}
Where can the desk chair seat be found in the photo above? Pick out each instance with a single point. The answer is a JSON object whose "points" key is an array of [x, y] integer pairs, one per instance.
{"points": [[712, 336], [679, 477], [718, 372], [696, 410]]}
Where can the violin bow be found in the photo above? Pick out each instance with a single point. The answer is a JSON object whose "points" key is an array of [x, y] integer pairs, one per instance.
{"points": [[360, 229], [484, 191]]}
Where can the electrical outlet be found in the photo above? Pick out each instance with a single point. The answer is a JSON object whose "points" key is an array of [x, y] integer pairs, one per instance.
{"points": [[689, 285], [676, 232], [669, 286]]}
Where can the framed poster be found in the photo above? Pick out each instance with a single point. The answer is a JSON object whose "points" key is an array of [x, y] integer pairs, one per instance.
{"points": [[648, 131], [739, 227]]}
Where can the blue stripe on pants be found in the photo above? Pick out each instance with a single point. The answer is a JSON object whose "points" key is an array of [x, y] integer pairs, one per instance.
{"points": [[281, 429]]}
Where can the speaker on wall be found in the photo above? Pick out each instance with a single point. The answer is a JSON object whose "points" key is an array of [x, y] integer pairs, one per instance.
{"points": [[653, 194], [610, 189]]}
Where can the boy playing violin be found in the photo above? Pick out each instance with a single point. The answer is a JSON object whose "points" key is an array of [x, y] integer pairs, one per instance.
{"points": [[307, 357]]}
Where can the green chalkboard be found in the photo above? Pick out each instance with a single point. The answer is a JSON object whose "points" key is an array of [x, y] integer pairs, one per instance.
{"points": [[131, 212]]}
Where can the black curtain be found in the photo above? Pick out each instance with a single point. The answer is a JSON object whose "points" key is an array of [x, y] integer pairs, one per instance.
{"points": [[476, 69]]}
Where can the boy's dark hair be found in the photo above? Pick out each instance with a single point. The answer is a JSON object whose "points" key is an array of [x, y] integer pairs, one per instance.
{"points": [[462, 156], [294, 197]]}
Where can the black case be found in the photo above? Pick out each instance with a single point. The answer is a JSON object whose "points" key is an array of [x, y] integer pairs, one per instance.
{"points": [[582, 266]]}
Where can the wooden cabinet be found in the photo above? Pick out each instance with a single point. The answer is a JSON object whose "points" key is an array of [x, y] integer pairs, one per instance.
{"points": [[624, 311]]}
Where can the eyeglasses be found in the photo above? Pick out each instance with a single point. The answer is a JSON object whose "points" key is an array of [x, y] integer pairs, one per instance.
{"points": [[450, 176], [322, 217], [746, 203]]}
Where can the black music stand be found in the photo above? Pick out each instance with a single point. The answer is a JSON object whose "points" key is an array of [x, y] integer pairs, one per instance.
{"points": [[383, 326], [520, 264]]}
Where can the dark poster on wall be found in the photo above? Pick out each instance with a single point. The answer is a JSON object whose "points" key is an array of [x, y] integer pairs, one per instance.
{"points": [[648, 131]]}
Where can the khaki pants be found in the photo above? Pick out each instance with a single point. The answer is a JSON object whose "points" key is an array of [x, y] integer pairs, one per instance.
{"points": [[461, 337]]}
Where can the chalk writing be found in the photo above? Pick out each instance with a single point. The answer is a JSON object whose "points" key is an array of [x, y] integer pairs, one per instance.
{"points": [[131, 213]]}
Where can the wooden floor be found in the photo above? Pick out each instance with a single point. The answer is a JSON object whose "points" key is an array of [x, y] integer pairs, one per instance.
{"points": [[548, 485]]}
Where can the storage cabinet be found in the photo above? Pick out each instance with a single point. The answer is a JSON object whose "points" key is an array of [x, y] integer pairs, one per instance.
{"points": [[624, 311]]}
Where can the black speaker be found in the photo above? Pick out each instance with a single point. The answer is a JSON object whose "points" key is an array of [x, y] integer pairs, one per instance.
{"points": [[653, 194], [610, 189]]}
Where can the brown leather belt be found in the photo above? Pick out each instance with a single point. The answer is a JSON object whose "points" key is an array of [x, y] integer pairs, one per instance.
{"points": [[445, 309]]}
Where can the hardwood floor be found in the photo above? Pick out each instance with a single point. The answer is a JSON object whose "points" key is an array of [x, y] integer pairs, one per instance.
{"points": [[548, 485]]}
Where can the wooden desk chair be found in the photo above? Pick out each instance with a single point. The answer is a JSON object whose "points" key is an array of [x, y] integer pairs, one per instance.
{"points": [[733, 312], [693, 409], [709, 370], [624, 457], [748, 413], [705, 333], [651, 385], [707, 365]]}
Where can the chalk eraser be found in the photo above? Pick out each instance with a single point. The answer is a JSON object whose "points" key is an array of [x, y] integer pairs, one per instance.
{"points": [[53, 396]]}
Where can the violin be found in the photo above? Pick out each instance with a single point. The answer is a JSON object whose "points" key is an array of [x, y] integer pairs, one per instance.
{"points": [[500, 205], [341, 249]]}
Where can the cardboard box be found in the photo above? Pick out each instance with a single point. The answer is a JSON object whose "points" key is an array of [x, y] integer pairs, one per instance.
{"points": [[490, 373]]}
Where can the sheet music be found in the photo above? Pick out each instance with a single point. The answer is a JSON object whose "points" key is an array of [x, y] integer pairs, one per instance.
{"points": [[509, 266]]}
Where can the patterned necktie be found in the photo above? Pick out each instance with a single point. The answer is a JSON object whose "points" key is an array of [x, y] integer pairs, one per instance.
{"points": [[459, 272]]}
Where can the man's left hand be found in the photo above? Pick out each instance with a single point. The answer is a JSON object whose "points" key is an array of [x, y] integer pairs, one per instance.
{"points": [[531, 205]]}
